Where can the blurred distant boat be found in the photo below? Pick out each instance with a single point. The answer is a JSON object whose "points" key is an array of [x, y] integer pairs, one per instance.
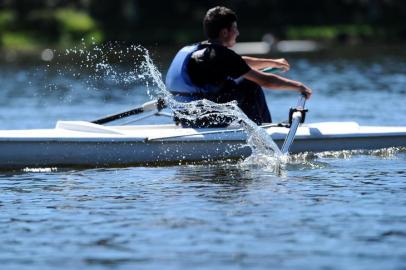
{"points": [[283, 46], [260, 47], [288, 46]]}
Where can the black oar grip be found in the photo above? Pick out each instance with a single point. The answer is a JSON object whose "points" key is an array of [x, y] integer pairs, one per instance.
{"points": [[148, 106], [118, 116]]}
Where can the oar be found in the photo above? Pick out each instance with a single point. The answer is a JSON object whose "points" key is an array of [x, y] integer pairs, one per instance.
{"points": [[296, 116], [158, 105]]}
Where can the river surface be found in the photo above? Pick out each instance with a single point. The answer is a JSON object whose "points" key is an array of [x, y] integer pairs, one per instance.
{"points": [[341, 210]]}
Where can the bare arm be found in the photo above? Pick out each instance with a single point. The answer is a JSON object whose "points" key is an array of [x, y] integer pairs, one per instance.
{"points": [[260, 63], [268, 80]]}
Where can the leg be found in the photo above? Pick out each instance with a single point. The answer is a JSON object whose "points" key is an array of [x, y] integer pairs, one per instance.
{"points": [[251, 100]]}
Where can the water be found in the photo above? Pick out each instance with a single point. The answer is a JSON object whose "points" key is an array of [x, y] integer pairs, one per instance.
{"points": [[339, 210]]}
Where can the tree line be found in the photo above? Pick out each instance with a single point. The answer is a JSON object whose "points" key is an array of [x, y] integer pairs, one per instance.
{"points": [[27, 23]]}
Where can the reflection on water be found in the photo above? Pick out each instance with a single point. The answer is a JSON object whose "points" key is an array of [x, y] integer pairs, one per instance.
{"points": [[210, 216], [334, 210]]}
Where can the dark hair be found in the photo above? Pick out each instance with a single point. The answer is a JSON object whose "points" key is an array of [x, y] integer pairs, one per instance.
{"points": [[218, 18]]}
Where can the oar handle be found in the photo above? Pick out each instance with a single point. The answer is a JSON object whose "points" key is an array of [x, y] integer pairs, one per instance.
{"points": [[302, 101]]}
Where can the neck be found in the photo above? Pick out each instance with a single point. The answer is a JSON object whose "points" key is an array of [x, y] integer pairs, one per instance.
{"points": [[217, 41]]}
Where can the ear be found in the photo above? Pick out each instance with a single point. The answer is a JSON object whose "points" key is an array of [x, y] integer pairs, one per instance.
{"points": [[223, 33]]}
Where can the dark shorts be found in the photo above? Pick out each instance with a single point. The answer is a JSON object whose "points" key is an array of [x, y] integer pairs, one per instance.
{"points": [[250, 99]]}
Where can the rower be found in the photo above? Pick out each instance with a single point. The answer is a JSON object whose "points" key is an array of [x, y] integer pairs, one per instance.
{"points": [[210, 70]]}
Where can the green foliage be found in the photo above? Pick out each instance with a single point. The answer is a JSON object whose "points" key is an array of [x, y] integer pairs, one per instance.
{"points": [[10, 38], [73, 21], [329, 32], [77, 26], [43, 27], [28, 24], [7, 17], [95, 36], [19, 41]]}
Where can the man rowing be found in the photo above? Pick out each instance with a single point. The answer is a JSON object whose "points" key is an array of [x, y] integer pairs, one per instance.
{"points": [[211, 70]]}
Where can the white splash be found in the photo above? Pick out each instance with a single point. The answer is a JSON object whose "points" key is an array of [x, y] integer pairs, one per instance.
{"points": [[40, 170], [265, 152], [102, 61]]}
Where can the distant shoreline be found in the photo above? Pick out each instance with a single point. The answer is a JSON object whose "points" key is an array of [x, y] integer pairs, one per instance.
{"points": [[163, 53]]}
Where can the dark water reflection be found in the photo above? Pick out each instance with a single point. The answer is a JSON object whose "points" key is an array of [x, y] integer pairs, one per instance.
{"points": [[331, 211]]}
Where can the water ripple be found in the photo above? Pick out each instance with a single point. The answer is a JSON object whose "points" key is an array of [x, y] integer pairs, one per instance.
{"points": [[332, 210]]}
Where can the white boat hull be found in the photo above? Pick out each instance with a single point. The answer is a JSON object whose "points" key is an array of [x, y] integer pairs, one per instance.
{"points": [[86, 144]]}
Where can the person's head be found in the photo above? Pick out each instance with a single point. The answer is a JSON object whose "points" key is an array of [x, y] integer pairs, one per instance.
{"points": [[220, 23]]}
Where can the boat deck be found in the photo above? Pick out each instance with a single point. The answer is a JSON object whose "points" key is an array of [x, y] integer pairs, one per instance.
{"points": [[85, 130]]}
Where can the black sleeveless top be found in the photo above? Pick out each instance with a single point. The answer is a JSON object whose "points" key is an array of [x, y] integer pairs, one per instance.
{"points": [[215, 64]]}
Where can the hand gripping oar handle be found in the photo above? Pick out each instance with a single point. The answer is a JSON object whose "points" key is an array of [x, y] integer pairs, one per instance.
{"points": [[158, 105], [296, 116]]}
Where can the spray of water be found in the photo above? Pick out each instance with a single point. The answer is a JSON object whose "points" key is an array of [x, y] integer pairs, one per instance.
{"points": [[103, 63], [265, 153]]}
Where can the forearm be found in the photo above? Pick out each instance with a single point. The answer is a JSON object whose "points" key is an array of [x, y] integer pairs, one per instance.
{"points": [[281, 83], [277, 82], [258, 63], [261, 63]]}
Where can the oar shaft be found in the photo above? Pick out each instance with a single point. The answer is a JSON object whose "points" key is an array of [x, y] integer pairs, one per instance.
{"points": [[301, 102], [296, 120], [118, 116], [148, 106]]}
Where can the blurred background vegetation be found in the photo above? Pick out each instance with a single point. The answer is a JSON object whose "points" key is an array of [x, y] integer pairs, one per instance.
{"points": [[32, 25]]}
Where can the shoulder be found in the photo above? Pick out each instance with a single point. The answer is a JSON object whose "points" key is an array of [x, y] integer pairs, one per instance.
{"points": [[223, 52]]}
